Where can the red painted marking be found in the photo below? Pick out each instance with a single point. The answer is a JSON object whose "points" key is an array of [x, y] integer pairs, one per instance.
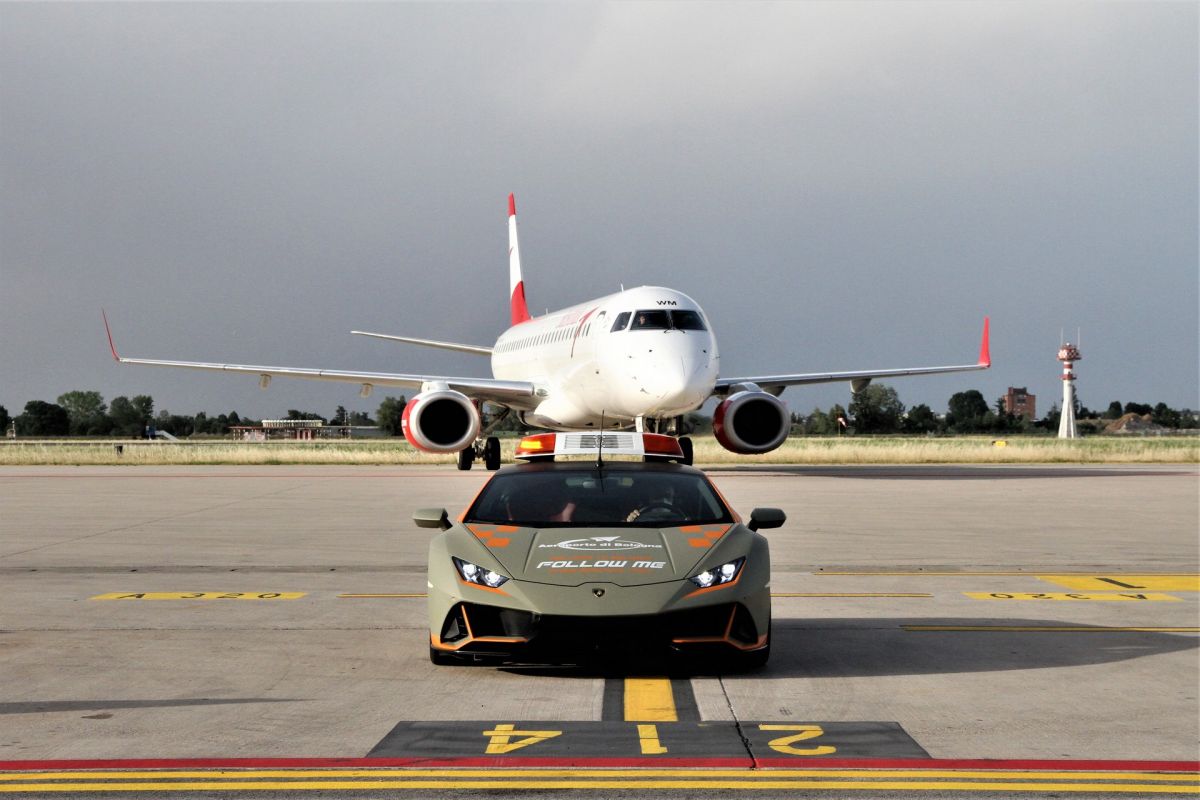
{"points": [[108, 330], [985, 354], [582, 322], [512, 205], [770, 763], [520, 312]]}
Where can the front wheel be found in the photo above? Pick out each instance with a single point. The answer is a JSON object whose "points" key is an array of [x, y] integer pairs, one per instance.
{"points": [[685, 444]]}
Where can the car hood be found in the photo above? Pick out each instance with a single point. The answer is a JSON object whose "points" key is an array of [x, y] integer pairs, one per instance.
{"points": [[622, 556]]}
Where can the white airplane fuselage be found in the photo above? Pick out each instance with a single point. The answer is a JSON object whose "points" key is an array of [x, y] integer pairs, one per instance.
{"points": [[647, 352]]}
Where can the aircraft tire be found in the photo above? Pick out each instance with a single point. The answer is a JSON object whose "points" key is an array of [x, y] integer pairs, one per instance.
{"points": [[466, 457], [685, 444], [491, 453]]}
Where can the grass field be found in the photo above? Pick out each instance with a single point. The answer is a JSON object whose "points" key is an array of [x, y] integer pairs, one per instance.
{"points": [[799, 450]]}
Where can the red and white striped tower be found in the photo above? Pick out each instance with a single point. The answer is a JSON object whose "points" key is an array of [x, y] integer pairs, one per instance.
{"points": [[1068, 354]]}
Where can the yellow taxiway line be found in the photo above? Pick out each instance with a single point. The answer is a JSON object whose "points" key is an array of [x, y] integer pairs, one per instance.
{"points": [[649, 700], [606, 780]]}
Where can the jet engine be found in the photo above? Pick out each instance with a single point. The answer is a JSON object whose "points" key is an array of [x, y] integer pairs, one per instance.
{"points": [[440, 421], [751, 422]]}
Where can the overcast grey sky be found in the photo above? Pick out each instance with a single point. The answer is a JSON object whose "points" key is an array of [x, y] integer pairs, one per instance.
{"points": [[840, 186]]}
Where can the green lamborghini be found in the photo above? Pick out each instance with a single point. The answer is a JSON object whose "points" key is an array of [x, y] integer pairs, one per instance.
{"points": [[565, 561]]}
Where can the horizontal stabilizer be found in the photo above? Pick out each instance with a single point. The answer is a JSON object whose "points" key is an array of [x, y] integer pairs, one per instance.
{"points": [[462, 348]]}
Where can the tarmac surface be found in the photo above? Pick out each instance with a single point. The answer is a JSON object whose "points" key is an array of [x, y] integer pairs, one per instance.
{"points": [[937, 631]]}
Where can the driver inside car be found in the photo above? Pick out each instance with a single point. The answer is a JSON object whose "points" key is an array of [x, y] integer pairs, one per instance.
{"points": [[651, 501]]}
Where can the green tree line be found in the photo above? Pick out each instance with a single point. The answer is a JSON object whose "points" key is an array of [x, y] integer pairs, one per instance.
{"points": [[875, 410]]}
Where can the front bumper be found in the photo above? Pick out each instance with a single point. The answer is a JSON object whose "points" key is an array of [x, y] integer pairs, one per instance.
{"points": [[484, 631]]}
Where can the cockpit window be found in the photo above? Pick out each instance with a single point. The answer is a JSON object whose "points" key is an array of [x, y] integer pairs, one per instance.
{"points": [[653, 319], [687, 320], [622, 321], [658, 319]]}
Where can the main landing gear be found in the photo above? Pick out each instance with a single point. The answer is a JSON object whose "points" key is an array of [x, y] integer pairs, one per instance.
{"points": [[487, 449], [685, 444], [673, 426]]}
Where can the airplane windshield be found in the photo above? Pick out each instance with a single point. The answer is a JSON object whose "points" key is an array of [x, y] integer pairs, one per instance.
{"points": [[590, 498], [687, 320], [656, 319], [653, 319]]}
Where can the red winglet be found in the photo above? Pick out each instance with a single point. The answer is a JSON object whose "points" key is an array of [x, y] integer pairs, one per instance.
{"points": [[108, 330], [512, 206], [985, 353]]}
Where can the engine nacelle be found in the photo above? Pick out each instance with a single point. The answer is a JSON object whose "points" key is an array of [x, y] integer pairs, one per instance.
{"points": [[442, 421], [751, 422]]}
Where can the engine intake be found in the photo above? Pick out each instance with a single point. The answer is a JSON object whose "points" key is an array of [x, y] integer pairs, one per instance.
{"points": [[751, 422], [442, 421]]}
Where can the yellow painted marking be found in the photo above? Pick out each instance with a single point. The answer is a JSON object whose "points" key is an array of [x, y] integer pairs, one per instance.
{"points": [[1122, 583], [851, 594], [200, 596], [773, 594], [583, 772], [500, 739], [649, 700], [800, 733], [648, 739], [1092, 596], [596, 782], [1046, 628]]}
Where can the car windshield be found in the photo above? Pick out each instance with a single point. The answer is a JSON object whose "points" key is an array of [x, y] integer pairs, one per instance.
{"points": [[591, 497]]}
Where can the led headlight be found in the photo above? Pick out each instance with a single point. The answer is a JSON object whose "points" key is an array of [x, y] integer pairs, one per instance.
{"points": [[726, 573], [477, 575]]}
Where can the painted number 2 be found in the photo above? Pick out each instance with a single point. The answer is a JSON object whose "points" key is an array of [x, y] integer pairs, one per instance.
{"points": [[785, 744]]}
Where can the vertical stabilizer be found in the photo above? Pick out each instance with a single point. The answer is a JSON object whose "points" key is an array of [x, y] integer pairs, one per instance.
{"points": [[520, 312]]}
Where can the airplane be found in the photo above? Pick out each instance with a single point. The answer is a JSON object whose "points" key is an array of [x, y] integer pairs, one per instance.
{"points": [[639, 358]]}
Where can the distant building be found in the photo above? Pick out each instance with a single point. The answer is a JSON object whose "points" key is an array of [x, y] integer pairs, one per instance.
{"points": [[305, 430], [1020, 403]]}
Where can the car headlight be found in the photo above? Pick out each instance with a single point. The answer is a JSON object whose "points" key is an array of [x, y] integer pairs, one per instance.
{"points": [[478, 575], [726, 573]]}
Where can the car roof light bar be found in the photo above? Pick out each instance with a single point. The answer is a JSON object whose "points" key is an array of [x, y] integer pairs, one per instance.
{"points": [[589, 444]]}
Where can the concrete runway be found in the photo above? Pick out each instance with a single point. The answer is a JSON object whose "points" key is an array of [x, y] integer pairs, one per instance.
{"points": [[1043, 616]]}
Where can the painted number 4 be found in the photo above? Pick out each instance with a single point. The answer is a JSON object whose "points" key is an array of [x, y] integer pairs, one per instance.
{"points": [[501, 739]]}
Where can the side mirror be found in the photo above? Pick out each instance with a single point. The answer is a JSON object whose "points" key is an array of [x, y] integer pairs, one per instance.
{"points": [[431, 518], [762, 518]]}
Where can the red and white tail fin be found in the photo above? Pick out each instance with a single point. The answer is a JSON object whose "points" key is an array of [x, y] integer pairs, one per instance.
{"points": [[520, 312]]}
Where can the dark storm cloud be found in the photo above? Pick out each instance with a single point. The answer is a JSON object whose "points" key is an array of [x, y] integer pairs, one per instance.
{"points": [[840, 186]]}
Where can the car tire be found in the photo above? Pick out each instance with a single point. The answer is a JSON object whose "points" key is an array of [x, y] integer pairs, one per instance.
{"points": [[491, 453], [466, 457]]}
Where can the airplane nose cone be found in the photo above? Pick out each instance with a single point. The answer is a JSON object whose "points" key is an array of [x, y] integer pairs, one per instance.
{"points": [[676, 382]]}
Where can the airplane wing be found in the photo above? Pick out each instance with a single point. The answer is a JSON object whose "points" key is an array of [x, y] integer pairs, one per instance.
{"points": [[516, 394], [858, 379], [462, 348]]}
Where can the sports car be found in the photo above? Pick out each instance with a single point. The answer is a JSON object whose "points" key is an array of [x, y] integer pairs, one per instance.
{"points": [[562, 561]]}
